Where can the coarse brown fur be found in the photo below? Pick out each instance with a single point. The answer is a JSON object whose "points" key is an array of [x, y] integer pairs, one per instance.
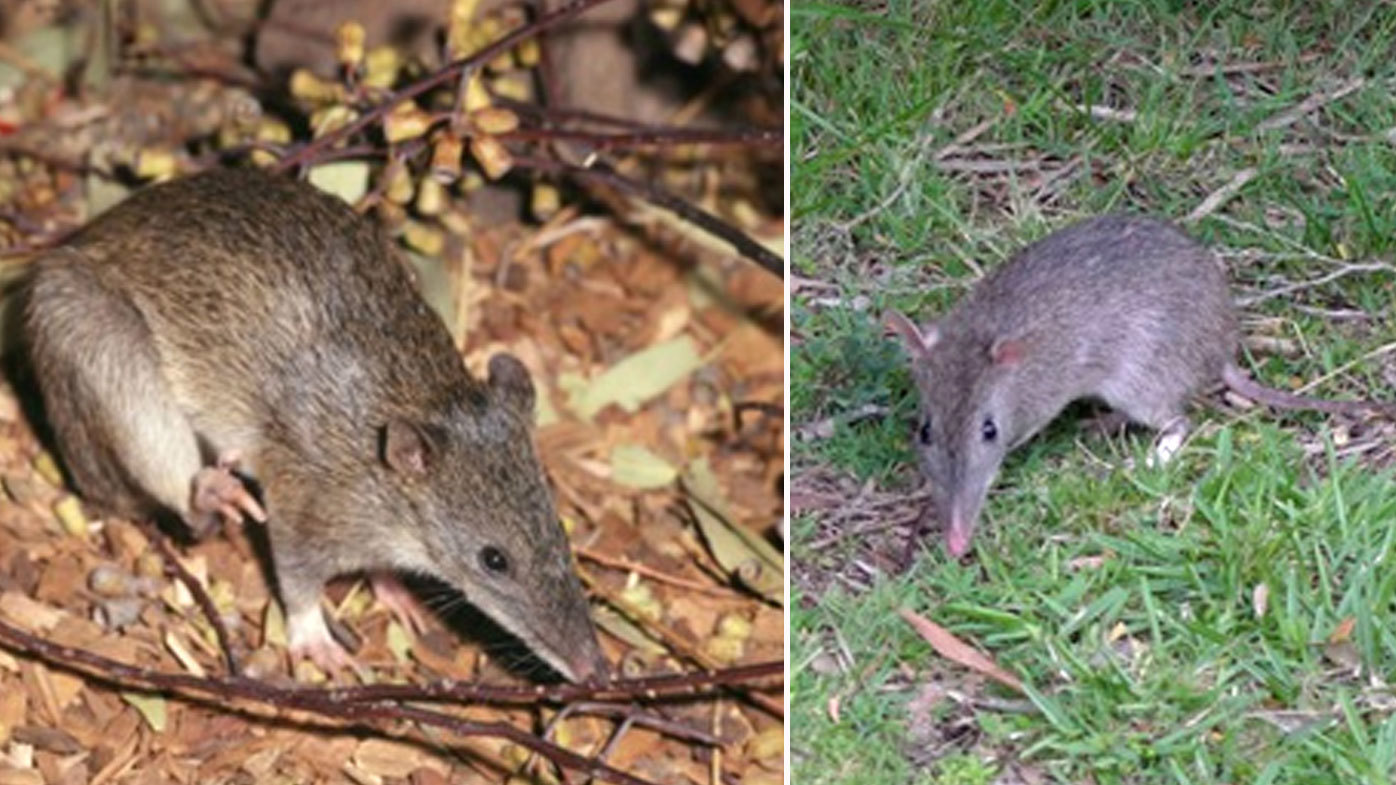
{"points": [[233, 312]]}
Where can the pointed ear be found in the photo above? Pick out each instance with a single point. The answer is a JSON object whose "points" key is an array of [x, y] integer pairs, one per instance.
{"points": [[1007, 352], [918, 341], [510, 380], [405, 448]]}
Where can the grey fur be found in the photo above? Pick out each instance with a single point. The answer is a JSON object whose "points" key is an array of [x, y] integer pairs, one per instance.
{"points": [[1128, 310]]}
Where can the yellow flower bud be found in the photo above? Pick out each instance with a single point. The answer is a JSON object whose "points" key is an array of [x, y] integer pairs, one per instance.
{"points": [[492, 156], [545, 201], [423, 238], [431, 196], [156, 162], [493, 120], [328, 119], [476, 97], [309, 87], [381, 66], [400, 187], [514, 84], [528, 53], [349, 44], [406, 122], [445, 158]]}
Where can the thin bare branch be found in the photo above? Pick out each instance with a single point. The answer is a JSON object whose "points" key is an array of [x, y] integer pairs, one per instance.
{"points": [[1222, 195], [385, 702], [601, 172], [1319, 99], [196, 589]]}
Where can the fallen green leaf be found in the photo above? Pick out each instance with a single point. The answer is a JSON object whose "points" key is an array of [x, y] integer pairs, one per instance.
{"points": [[399, 643], [103, 193], [636, 467], [743, 553], [625, 629], [346, 179], [544, 413], [434, 283], [69, 512], [637, 378], [151, 708]]}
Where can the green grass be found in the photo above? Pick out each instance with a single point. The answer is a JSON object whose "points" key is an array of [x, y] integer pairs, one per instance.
{"points": [[1152, 667]]}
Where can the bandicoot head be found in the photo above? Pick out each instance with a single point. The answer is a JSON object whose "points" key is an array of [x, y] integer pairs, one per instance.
{"points": [[968, 418]]}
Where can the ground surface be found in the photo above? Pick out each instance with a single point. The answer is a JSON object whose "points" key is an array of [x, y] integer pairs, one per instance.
{"points": [[658, 360], [1226, 618]]}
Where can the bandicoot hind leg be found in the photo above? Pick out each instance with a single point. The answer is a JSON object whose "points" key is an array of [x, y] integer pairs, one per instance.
{"points": [[122, 434]]}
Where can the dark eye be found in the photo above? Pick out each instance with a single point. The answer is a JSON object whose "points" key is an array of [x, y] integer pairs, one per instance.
{"points": [[494, 560], [989, 430], [924, 432]]}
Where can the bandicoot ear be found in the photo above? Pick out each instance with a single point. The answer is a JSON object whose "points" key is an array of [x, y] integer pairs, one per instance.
{"points": [[918, 341], [1007, 352], [510, 380], [405, 448]]}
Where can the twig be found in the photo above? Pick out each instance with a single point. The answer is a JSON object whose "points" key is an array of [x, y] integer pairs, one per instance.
{"points": [[1292, 115], [957, 145], [196, 589], [679, 646], [1385, 348], [602, 172], [1341, 272], [1333, 314], [319, 702], [1230, 69], [989, 167], [1222, 195], [650, 572], [1103, 112], [648, 687], [1299, 248], [1054, 181], [379, 702], [631, 715], [871, 527], [824, 428], [560, 114], [657, 137]]}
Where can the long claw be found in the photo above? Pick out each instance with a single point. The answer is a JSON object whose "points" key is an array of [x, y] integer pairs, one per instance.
{"points": [[217, 490], [400, 601], [247, 503]]}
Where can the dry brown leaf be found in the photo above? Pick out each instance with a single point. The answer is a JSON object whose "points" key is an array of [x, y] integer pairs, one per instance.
{"points": [[956, 650], [13, 706], [10, 776], [386, 758], [1087, 562], [29, 613], [1343, 632]]}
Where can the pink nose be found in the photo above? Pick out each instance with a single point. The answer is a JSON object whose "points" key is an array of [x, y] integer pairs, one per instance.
{"points": [[587, 669], [957, 537]]}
